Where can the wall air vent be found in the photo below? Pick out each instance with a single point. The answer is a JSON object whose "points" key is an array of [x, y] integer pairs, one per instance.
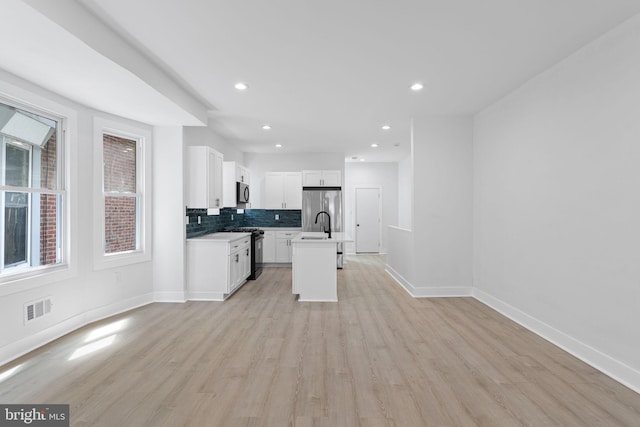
{"points": [[37, 309]]}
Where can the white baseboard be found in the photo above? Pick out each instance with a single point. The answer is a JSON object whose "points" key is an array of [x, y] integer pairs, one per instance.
{"points": [[602, 362], [174, 296], [19, 348], [428, 291], [206, 296]]}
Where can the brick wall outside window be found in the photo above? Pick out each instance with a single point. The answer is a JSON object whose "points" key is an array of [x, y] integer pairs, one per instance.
{"points": [[48, 204], [119, 155]]}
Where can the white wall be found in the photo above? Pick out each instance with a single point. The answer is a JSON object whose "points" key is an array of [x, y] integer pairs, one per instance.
{"points": [[206, 136], [382, 175], [440, 242], [169, 280], [557, 203], [443, 195], [405, 193], [80, 294], [260, 163]]}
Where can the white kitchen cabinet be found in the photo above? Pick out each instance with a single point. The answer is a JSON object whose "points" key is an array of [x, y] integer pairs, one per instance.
{"points": [[242, 174], [277, 247], [322, 178], [283, 190], [217, 265], [240, 265], [233, 172], [284, 247], [269, 247], [204, 178]]}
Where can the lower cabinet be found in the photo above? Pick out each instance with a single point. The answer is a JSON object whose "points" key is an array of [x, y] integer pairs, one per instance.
{"points": [[284, 249], [277, 245], [240, 266], [217, 268], [269, 247]]}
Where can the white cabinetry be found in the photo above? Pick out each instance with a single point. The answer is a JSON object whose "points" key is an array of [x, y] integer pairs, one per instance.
{"points": [[325, 178], [217, 265], [240, 264], [269, 247], [204, 178], [277, 245], [283, 190], [284, 247], [233, 172], [242, 174]]}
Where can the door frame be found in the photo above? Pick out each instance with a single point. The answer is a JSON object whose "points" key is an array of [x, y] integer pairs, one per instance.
{"points": [[355, 216]]}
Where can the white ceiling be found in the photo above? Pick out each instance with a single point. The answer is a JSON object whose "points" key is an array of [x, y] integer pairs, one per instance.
{"points": [[327, 74]]}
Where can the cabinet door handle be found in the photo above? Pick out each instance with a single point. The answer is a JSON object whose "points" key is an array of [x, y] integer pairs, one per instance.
{"points": [[237, 258]]}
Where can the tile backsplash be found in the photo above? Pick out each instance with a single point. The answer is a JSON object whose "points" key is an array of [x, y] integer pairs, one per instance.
{"points": [[229, 218]]}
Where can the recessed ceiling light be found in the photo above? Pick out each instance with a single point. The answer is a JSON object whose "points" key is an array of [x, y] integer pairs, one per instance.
{"points": [[266, 127], [417, 86], [241, 86], [362, 160], [386, 127], [278, 145], [374, 145]]}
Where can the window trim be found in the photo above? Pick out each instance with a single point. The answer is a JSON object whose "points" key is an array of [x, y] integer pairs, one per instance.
{"points": [[142, 137], [33, 277], [23, 266]]}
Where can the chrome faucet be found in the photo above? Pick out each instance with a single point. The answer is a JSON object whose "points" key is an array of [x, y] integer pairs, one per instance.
{"points": [[329, 216]]}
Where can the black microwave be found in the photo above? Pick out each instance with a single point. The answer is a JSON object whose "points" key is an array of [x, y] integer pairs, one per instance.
{"points": [[242, 192]]}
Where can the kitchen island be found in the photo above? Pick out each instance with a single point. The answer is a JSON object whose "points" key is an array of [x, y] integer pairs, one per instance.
{"points": [[314, 266]]}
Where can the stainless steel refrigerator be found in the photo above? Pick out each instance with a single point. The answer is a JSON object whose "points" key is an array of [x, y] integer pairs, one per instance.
{"points": [[318, 199]]}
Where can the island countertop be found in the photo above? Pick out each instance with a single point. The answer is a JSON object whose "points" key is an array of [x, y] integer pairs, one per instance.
{"points": [[320, 237]]}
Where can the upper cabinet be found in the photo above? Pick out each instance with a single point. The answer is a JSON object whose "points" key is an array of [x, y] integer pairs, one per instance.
{"points": [[234, 172], [204, 186], [327, 178], [241, 173], [283, 190]]}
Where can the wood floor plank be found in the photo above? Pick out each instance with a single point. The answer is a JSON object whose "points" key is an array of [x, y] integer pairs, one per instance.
{"points": [[375, 358]]}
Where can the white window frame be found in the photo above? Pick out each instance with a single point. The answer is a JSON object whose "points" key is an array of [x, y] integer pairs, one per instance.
{"points": [[24, 279], [26, 265], [142, 137]]}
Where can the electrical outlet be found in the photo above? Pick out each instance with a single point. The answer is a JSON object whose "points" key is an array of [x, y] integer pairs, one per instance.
{"points": [[199, 219], [277, 217], [231, 217]]}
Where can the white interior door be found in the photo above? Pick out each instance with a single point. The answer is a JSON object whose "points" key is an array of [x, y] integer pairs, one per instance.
{"points": [[367, 220]]}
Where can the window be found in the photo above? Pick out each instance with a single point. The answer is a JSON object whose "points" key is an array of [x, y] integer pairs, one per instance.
{"points": [[121, 195], [31, 190], [122, 153]]}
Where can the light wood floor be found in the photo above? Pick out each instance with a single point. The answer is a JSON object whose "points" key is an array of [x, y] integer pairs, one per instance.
{"points": [[375, 358]]}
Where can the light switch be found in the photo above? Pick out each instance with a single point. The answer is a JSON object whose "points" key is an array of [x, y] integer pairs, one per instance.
{"points": [[277, 217]]}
